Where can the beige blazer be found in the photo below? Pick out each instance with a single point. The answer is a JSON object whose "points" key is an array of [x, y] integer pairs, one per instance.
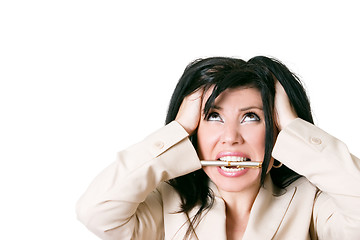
{"points": [[129, 199]]}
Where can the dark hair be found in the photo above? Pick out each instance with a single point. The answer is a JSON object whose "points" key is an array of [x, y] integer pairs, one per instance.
{"points": [[284, 176], [223, 73]]}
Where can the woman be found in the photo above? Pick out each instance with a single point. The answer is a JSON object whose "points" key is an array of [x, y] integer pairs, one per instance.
{"points": [[226, 109]]}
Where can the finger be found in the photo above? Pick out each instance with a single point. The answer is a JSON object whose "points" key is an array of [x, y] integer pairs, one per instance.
{"points": [[190, 111], [196, 95], [284, 111]]}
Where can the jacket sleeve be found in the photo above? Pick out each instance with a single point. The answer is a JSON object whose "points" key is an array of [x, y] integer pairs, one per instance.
{"points": [[327, 163], [123, 201]]}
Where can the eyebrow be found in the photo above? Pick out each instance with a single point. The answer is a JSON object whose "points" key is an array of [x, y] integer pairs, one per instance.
{"points": [[241, 109]]}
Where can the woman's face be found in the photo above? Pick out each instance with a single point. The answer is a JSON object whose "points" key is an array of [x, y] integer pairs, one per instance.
{"points": [[233, 130]]}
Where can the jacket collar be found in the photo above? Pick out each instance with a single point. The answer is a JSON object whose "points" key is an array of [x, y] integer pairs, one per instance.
{"points": [[268, 210], [266, 215]]}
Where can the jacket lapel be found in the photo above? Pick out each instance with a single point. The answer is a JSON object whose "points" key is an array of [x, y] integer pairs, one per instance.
{"points": [[213, 224], [268, 211]]}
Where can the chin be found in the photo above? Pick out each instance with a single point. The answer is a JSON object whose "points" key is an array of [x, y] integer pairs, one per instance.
{"points": [[238, 186], [245, 182]]}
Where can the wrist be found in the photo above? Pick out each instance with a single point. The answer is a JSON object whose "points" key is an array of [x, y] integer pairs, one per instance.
{"points": [[187, 129], [287, 121]]}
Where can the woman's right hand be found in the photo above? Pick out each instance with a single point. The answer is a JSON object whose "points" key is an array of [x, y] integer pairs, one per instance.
{"points": [[284, 112], [190, 111]]}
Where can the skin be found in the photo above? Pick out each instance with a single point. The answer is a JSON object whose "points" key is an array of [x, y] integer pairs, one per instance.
{"points": [[229, 133], [235, 126], [190, 110], [284, 112]]}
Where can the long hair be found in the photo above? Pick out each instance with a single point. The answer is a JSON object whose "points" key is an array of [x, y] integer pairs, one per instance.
{"points": [[224, 73], [284, 176]]}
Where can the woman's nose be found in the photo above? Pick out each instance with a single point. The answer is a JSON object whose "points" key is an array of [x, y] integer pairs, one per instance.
{"points": [[231, 134]]}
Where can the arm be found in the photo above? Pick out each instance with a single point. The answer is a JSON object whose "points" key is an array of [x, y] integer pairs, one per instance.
{"points": [[326, 162], [122, 202]]}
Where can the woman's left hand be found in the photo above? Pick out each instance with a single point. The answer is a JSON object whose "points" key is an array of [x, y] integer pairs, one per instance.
{"points": [[284, 112]]}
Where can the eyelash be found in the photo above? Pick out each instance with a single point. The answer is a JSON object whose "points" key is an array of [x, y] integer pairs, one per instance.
{"points": [[213, 114], [257, 118], [248, 114]]}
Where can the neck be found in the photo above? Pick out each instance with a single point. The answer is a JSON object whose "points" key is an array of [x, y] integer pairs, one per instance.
{"points": [[238, 208], [240, 203]]}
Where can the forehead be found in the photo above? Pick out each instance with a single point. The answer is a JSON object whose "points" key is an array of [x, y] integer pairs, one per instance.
{"points": [[239, 95]]}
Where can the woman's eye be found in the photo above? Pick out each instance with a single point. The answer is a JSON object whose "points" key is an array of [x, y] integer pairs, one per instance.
{"points": [[214, 116], [250, 117]]}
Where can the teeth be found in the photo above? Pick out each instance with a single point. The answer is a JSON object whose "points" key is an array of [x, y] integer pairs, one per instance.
{"points": [[233, 159], [232, 169]]}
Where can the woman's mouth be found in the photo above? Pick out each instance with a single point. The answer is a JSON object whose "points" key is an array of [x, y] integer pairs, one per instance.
{"points": [[233, 159]]}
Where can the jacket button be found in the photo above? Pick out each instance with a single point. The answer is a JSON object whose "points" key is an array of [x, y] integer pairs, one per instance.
{"points": [[315, 140], [159, 144]]}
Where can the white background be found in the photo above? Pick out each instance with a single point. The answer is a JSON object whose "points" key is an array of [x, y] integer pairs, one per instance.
{"points": [[81, 80]]}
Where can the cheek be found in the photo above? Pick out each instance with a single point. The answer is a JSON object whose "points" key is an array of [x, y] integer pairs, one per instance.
{"points": [[255, 137], [206, 141]]}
